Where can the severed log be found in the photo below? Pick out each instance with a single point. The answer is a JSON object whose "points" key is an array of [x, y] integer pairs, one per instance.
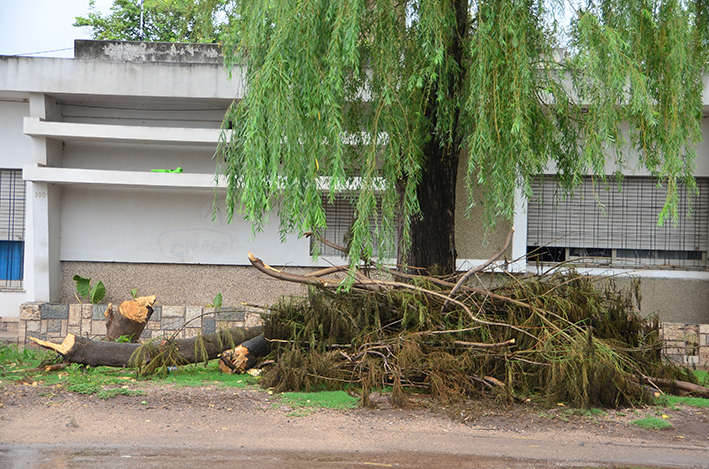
{"points": [[130, 319], [681, 385], [76, 349], [245, 356]]}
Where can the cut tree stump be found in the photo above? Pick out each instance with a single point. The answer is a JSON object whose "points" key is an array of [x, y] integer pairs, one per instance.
{"points": [[75, 349], [130, 320], [245, 356]]}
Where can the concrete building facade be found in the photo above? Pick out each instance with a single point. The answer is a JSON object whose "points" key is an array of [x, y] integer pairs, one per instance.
{"points": [[79, 139]]}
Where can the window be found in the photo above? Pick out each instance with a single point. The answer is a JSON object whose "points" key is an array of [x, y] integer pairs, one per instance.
{"points": [[603, 226], [339, 217], [12, 228]]}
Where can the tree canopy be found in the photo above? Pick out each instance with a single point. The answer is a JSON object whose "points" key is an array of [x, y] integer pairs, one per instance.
{"points": [[382, 100], [367, 96], [163, 20]]}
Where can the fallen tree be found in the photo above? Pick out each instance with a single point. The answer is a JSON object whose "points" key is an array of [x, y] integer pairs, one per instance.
{"points": [[245, 356], [563, 336], [152, 355]]}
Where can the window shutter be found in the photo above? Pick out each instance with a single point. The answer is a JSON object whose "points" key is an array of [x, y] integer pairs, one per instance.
{"points": [[602, 217]]}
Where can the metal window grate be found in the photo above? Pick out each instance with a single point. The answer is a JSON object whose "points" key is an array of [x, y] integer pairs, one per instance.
{"points": [[339, 217], [12, 228], [602, 225]]}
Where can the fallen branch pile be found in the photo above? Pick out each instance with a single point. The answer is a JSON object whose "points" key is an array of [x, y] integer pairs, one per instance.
{"points": [[570, 338]]}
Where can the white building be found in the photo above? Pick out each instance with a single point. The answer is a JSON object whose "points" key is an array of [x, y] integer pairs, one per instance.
{"points": [[79, 138]]}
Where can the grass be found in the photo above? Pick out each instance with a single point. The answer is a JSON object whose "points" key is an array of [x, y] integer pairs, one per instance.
{"points": [[591, 413], [107, 382], [673, 401], [652, 423], [303, 402], [209, 375], [109, 393], [20, 365]]}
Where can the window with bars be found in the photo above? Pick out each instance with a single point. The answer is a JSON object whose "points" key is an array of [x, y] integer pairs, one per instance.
{"points": [[339, 217], [601, 225], [12, 228]]}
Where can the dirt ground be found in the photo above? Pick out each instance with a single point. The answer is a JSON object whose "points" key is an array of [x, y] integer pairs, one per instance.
{"points": [[213, 426]]}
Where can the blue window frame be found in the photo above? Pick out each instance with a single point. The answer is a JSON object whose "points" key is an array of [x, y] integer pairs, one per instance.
{"points": [[12, 228], [11, 255]]}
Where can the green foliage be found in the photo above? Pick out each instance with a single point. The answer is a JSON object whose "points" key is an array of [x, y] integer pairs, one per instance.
{"points": [[216, 302], [163, 20], [356, 96], [652, 423], [134, 293], [94, 294]]}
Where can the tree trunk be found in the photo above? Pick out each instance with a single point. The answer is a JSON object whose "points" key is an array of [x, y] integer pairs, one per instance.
{"points": [[433, 232], [130, 320], [75, 349], [244, 356]]}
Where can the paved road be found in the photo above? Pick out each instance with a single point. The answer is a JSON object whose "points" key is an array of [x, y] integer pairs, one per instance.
{"points": [[307, 446], [203, 428]]}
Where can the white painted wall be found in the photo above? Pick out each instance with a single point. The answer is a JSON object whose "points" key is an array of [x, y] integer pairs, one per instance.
{"points": [[68, 76], [165, 226], [15, 146], [133, 157], [633, 167]]}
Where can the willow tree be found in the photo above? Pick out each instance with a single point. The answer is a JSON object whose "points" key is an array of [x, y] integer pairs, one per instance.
{"points": [[382, 100]]}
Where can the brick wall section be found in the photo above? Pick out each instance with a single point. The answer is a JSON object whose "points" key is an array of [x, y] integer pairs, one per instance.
{"points": [[52, 322], [687, 343], [9, 328]]}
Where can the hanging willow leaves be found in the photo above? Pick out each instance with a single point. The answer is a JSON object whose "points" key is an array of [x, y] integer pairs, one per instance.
{"points": [[381, 98]]}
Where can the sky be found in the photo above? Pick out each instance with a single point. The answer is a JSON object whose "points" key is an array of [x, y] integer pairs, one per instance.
{"points": [[35, 27]]}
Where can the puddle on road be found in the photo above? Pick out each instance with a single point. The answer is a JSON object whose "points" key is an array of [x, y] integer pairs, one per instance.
{"points": [[136, 457]]}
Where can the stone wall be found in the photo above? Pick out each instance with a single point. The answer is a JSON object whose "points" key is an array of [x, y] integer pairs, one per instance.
{"points": [[52, 322], [687, 343], [9, 328]]}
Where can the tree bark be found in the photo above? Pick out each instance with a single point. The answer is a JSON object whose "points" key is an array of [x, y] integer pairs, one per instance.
{"points": [[681, 385], [433, 232], [75, 349], [130, 320]]}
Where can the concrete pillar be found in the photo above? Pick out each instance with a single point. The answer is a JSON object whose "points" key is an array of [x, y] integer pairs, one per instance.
{"points": [[43, 212]]}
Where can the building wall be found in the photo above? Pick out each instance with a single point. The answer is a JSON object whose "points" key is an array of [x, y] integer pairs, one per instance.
{"points": [[13, 143], [180, 284], [676, 299]]}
